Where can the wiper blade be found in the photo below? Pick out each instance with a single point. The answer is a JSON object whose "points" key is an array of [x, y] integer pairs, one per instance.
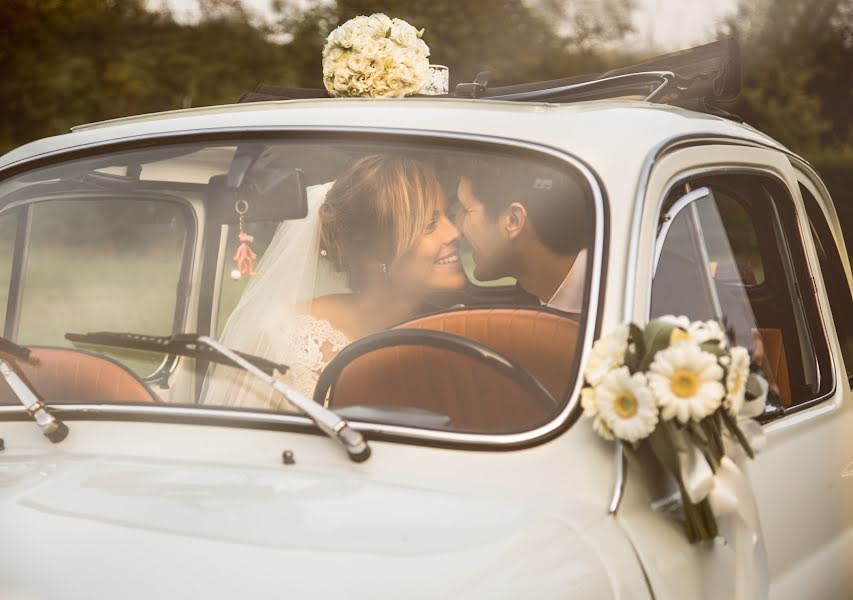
{"points": [[180, 344], [52, 428], [10, 347], [201, 346]]}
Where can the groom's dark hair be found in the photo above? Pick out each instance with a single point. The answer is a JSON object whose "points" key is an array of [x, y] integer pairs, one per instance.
{"points": [[558, 200]]}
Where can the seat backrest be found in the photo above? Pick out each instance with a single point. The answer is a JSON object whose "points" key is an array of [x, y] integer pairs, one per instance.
{"points": [[775, 364], [65, 375], [473, 395]]}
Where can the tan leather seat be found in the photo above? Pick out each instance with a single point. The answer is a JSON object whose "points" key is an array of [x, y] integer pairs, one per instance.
{"points": [[473, 395], [64, 375], [775, 363]]}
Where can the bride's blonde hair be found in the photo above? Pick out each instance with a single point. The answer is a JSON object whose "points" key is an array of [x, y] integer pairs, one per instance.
{"points": [[378, 209]]}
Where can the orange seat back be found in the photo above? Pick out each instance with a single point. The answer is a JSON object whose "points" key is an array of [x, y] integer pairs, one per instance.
{"points": [[774, 363], [68, 376], [473, 395]]}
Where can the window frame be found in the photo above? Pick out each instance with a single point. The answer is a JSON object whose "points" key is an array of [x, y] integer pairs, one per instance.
{"points": [[596, 276], [803, 246], [17, 279], [837, 245]]}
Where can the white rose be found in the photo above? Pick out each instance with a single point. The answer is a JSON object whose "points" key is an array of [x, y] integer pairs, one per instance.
{"points": [[342, 79], [371, 49], [357, 63]]}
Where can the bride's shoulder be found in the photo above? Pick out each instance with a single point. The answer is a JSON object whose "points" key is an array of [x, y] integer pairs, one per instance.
{"points": [[331, 314]]}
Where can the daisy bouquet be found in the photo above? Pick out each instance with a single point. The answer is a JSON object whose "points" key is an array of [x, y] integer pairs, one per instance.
{"points": [[679, 388], [375, 56]]}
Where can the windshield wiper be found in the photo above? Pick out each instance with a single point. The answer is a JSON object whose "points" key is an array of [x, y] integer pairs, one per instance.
{"points": [[201, 346], [179, 345], [52, 428]]}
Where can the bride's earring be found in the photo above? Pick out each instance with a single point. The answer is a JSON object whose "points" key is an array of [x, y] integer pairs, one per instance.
{"points": [[384, 268], [245, 257]]}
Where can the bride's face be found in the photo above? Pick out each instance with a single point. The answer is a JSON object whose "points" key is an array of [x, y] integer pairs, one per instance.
{"points": [[433, 265]]}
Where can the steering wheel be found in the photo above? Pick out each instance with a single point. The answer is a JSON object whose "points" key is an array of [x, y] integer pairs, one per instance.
{"points": [[436, 339]]}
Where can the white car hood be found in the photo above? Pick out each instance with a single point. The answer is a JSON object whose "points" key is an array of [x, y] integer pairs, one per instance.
{"points": [[103, 527]]}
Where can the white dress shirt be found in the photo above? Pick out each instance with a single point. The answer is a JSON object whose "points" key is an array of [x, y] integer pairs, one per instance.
{"points": [[569, 296]]}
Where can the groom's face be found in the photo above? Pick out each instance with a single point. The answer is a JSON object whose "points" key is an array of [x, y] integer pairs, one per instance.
{"points": [[490, 245]]}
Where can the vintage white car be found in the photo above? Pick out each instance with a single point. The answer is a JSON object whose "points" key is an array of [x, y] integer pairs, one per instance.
{"points": [[444, 455]]}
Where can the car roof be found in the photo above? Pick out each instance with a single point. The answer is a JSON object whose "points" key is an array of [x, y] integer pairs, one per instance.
{"points": [[606, 134]]}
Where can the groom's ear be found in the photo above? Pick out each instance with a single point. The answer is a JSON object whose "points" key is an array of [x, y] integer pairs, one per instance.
{"points": [[515, 218]]}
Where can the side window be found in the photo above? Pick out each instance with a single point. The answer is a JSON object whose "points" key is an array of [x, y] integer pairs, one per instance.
{"points": [[734, 253], [109, 264], [8, 225], [834, 278]]}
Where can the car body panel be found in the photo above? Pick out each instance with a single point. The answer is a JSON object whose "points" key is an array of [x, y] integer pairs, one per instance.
{"points": [[186, 515]]}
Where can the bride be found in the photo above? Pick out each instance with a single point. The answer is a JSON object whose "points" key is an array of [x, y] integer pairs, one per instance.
{"points": [[375, 243]]}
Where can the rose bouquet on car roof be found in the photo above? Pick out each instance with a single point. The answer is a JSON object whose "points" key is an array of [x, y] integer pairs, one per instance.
{"points": [[375, 56], [682, 390]]}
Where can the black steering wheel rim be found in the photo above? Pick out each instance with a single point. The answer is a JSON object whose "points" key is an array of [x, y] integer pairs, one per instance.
{"points": [[436, 339]]}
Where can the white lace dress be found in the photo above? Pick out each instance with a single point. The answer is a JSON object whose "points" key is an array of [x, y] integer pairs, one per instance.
{"points": [[315, 343], [308, 347]]}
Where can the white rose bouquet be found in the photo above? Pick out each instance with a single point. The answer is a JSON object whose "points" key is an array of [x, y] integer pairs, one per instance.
{"points": [[375, 56], [683, 391]]}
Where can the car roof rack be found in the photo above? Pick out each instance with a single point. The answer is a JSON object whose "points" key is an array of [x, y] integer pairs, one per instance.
{"points": [[689, 78]]}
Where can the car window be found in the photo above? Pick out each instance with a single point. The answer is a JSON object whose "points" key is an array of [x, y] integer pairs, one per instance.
{"points": [[109, 264], [834, 278], [310, 245], [745, 240], [8, 225]]}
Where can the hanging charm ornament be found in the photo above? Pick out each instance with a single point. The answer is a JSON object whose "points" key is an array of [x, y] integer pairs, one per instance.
{"points": [[245, 257]]}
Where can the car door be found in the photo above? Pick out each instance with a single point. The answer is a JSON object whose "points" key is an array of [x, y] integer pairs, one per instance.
{"points": [[727, 236]]}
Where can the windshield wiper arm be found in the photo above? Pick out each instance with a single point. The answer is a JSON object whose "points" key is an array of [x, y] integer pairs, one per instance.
{"points": [[10, 347], [179, 345], [52, 428], [330, 423], [201, 346]]}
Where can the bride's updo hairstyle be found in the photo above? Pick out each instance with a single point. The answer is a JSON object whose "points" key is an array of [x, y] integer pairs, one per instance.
{"points": [[375, 213]]}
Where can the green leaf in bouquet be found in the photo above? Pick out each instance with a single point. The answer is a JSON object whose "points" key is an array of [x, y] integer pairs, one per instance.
{"points": [[713, 347], [655, 338], [388, 33], [715, 439], [421, 33], [636, 348]]}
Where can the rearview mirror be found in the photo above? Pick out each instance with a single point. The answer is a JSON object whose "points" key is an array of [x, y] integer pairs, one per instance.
{"points": [[265, 195]]}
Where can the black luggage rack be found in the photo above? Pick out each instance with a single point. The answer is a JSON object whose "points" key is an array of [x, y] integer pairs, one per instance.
{"points": [[689, 78]]}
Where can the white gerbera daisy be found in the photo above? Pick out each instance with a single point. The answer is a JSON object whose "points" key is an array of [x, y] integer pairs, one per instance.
{"points": [[687, 382], [681, 322], [608, 353], [626, 405], [707, 331], [590, 409], [738, 372]]}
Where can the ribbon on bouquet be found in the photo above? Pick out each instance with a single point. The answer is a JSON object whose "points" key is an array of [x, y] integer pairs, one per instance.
{"points": [[730, 494]]}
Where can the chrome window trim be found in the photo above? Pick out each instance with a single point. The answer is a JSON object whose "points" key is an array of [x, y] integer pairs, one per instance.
{"points": [[565, 417]]}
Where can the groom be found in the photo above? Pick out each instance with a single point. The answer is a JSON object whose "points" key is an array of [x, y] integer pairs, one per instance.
{"points": [[529, 222]]}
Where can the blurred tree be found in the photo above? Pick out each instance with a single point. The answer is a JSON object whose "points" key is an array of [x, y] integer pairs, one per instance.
{"points": [[517, 40], [66, 62], [798, 69]]}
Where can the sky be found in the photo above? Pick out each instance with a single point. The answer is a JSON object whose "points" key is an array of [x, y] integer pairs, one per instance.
{"points": [[662, 24]]}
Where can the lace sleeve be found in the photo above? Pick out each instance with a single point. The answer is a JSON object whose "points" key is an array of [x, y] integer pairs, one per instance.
{"points": [[306, 346], [315, 343]]}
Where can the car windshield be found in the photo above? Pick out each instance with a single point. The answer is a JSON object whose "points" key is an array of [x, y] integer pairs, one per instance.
{"points": [[438, 284]]}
